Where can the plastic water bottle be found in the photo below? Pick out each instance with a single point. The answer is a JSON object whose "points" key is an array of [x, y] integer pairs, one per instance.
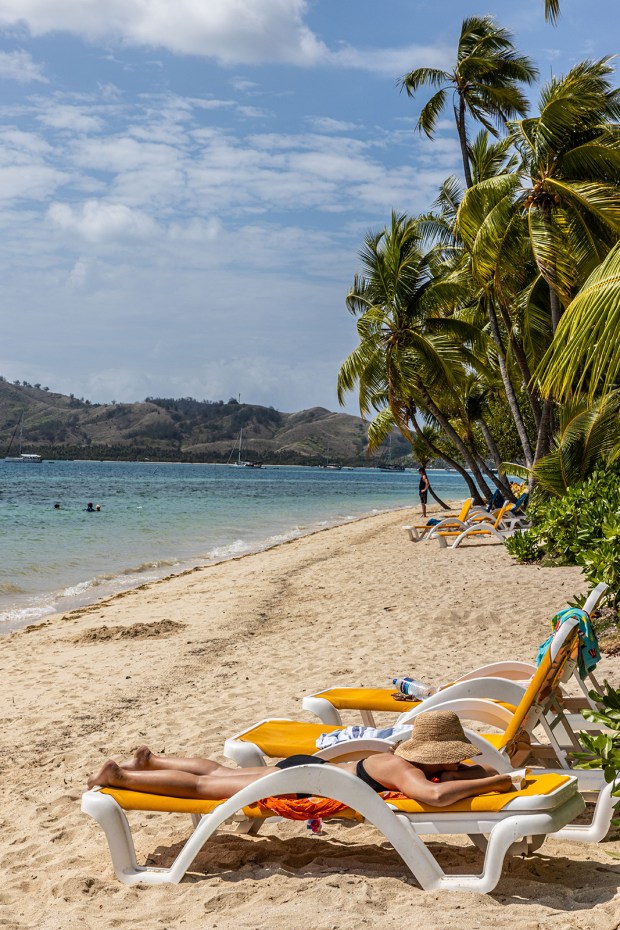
{"points": [[414, 688]]}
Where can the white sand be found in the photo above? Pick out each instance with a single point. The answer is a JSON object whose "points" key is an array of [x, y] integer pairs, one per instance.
{"points": [[352, 605]]}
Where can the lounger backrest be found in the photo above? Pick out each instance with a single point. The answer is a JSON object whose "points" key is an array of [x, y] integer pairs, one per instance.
{"points": [[500, 515], [465, 510], [560, 655]]}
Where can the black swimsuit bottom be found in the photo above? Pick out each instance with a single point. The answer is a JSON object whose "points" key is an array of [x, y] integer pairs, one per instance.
{"points": [[304, 759]]}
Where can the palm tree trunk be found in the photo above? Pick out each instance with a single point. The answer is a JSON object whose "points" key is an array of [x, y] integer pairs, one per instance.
{"points": [[462, 131], [526, 374], [511, 397], [556, 309], [544, 433], [454, 437], [502, 483], [452, 463]]}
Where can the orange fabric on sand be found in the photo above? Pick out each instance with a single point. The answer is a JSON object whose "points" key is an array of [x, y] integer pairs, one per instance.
{"points": [[302, 808]]}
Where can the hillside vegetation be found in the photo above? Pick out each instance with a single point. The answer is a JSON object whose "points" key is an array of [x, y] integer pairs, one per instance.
{"points": [[183, 429]]}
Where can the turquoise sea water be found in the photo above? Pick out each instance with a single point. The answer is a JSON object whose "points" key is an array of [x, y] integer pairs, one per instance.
{"points": [[160, 518]]}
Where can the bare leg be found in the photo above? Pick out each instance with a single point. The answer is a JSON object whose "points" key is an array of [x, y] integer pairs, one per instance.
{"points": [[146, 761], [177, 784]]}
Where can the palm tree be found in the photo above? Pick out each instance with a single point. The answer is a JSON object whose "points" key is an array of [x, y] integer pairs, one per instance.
{"points": [[571, 159], [484, 83], [557, 217], [487, 160], [407, 353]]}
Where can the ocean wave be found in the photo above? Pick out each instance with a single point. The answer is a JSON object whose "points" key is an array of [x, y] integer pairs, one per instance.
{"points": [[77, 589], [154, 564], [238, 547], [21, 616]]}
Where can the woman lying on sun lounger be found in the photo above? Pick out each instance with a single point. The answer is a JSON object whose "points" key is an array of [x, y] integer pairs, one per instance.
{"points": [[428, 768]]}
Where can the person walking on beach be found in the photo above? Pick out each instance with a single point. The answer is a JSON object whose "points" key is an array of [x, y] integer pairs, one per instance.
{"points": [[423, 489], [429, 767]]}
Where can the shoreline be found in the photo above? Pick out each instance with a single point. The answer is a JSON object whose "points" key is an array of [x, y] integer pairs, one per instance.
{"points": [[157, 521], [183, 663], [89, 598]]}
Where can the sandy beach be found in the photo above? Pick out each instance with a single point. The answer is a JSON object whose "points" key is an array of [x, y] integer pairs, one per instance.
{"points": [[183, 663]]}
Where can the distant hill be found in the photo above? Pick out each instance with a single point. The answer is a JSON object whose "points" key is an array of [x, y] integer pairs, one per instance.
{"points": [[182, 429]]}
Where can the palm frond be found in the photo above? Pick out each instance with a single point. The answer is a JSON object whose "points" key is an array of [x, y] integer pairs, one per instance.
{"points": [[380, 428], [421, 77], [552, 11], [429, 113], [585, 353]]}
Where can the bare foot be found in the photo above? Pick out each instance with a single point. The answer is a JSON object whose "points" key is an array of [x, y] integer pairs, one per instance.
{"points": [[109, 774], [139, 762]]}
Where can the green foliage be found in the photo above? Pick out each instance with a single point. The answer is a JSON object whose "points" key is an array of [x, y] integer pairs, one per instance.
{"points": [[603, 750], [580, 528], [525, 546], [585, 354], [588, 437]]}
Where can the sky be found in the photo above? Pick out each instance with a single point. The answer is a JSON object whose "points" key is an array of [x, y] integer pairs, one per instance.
{"points": [[185, 184]]}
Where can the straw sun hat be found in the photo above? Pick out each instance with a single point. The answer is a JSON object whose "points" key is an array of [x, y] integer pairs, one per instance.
{"points": [[437, 739]]}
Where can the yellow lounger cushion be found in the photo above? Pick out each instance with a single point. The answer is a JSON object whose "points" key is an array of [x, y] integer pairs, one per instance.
{"points": [[282, 738], [377, 699], [140, 801]]}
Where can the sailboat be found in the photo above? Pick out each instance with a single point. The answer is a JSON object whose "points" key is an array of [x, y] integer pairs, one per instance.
{"points": [[331, 466], [25, 458], [241, 463]]}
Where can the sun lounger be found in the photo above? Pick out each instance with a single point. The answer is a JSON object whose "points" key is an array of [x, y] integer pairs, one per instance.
{"points": [[421, 530], [481, 528], [328, 704], [477, 697], [495, 822]]}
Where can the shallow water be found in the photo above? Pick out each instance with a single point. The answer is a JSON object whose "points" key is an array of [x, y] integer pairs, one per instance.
{"points": [[160, 518]]}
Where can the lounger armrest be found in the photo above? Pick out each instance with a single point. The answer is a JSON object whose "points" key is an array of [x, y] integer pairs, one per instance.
{"points": [[446, 523], [516, 671], [469, 709], [489, 689], [352, 749], [488, 753]]}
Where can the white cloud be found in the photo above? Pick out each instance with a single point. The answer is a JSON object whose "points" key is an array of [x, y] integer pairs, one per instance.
{"points": [[392, 62], [71, 118], [229, 31], [327, 124], [166, 204], [19, 66], [97, 221]]}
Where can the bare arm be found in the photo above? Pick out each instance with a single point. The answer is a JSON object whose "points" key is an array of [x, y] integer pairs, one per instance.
{"points": [[414, 784], [467, 772]]}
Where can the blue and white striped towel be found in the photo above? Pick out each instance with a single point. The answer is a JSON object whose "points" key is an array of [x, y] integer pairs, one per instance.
{"points": [[393, 734]]}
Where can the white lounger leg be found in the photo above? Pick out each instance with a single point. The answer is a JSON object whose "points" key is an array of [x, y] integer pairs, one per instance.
{"points": [[598, 828]]}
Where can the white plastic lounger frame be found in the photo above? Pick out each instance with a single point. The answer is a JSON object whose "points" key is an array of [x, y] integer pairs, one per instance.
{"points": [[472, 699], [418, 532], [590, 782], [526, 816]]}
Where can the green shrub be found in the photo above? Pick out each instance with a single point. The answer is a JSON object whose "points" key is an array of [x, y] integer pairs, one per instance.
{"points": [[580, 528], [525, 546], [603, 750]]}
